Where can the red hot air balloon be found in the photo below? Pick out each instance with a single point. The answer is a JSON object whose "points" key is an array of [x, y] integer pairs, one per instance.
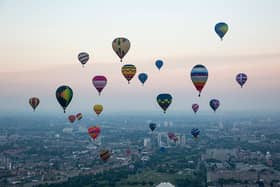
{"points": [[34, 102], [72, 118], [94, 132], [99, 82], [195, 107]]}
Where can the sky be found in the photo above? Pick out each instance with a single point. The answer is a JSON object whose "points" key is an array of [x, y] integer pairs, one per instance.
{"points": [[40, 41]]}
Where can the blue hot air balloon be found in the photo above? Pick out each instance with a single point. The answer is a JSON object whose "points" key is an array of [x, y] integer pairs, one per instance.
{"points": [[195, 132], [221, 29], [214, 104], [164, 100], [159, 64], [143, 77], [241, 78]]}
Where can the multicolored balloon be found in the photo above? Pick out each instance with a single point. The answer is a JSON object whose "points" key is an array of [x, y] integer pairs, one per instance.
{"points": [[64, 96], [128, 71], [99, 82], [195, 132], [164, 100], [143, 77], [34, 102], [121, 47], [195, 107], [94, 132], [199, 76], [83, 58], [159, 64], [172, 136], [153, 126], [72, 118], [214, 104], [241, 78], [79, 116], [105, 154], [98, 109], [221, 29]]}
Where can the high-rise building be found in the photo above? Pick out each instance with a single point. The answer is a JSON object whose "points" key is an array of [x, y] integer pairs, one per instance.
{"points": [[147, 142]]}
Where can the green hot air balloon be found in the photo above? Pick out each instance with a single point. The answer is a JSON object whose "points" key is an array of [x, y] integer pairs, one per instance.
{"points": [[64, 96]]}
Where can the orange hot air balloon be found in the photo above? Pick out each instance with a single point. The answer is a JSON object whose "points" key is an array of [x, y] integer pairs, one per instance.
{"points": [[105, 154], [34, 102], [128, 71], [98, 109], [94, 132]]}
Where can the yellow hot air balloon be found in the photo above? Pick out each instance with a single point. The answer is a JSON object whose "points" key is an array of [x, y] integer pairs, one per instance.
{"points": [[98, 109]]}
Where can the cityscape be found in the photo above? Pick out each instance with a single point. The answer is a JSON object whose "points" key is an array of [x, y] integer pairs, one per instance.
{"points": [[232, 150]]}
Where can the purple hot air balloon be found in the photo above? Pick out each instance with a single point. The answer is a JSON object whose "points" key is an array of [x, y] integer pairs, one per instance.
{"points": [[99, 82], [214, 104], [195, 107], [241, 78]]}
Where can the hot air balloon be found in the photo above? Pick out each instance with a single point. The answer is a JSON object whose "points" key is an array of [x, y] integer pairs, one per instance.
{"points": [[121, 46], [241, 78], [172, 136], [79, 116], [72, 118], [104, 154], [99, 82], [98, 109], [195, 132], [214, 104], [64, 96], [159, 64], [153, 126], [34, 102], [221, 29], [195, 107], [94, 131], [164, 100], [83, 58], [199, 76], [143, 77], [128, 71]]}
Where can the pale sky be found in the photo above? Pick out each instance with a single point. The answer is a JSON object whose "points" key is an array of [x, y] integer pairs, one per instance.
{"points": [[40, 41]]}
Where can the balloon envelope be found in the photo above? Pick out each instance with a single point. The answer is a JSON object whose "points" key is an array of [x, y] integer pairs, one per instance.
{"points": [[79, 116], [195, 132], [143, 77], [94, 131], [241, 78], [64, 96], [83, 58], [159, 64], [72, 118], [34, 102], [199, 76], [98, 109], [128, 71], [104, 154], [221, 29], [195, 108], [99, 82], [214, 104], [153, 126], [121, 46], [164, 100]]}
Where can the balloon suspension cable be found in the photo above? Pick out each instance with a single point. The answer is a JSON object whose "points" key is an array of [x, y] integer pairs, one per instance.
{"points": [[128, 82], [64, 111], [99, 93], [83, 65]]}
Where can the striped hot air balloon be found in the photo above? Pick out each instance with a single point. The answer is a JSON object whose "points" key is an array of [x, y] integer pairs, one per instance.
{"points": [[99, 82], [195, 132], [128, 71], [199, 76], [34, 102], [121, 46], [79, 116], [83, 57], [94, 131], [105, 154], [195, 107]]}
